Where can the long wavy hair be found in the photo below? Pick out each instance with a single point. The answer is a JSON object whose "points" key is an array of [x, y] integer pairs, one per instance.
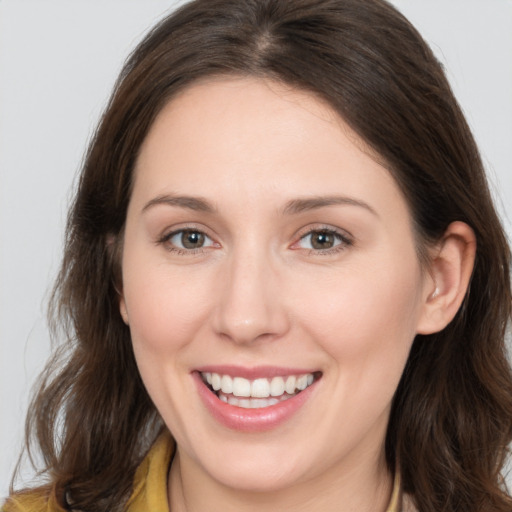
{"points": [[451, 418]]}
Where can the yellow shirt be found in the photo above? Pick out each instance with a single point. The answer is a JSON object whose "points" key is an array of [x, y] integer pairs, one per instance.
{"points": [[150, 487]]}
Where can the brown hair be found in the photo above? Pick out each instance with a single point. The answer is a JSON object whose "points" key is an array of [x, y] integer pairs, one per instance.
{"points": [[450, 423]]}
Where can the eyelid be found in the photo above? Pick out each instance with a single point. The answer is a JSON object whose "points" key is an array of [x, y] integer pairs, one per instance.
{"points": [[323, 227], [167, 234], [345, 237], [181, 232]]}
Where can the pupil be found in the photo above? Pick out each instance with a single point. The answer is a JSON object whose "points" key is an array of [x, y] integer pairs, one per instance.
{"points": [[192, 239], [322, 240]]}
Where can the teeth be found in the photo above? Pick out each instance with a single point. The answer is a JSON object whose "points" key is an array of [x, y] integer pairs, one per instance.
{"points": [[260, 388], [244, 402], [290, 384], [226, 384], [252, 403], [277, 386], [257, 389], [241, 387], [215, 381], [302, 382]]}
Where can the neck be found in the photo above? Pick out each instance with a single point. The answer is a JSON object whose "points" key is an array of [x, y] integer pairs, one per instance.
{"points": [[366, 487]]}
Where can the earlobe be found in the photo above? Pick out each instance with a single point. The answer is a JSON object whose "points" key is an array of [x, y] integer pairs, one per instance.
{"points": [[449, 277]]}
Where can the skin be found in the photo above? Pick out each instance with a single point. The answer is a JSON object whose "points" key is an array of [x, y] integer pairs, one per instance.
{"points": [[257, 294]]}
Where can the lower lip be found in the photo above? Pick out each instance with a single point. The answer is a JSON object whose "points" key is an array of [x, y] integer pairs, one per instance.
{"points": [[250, 420]]}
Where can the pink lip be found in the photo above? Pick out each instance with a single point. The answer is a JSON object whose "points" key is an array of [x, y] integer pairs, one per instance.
{"points": [[251, 420]]}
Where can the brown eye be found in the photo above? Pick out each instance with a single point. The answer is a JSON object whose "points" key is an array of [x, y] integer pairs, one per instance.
{"points": [[188, 240], [192, 239], [322, 240]]}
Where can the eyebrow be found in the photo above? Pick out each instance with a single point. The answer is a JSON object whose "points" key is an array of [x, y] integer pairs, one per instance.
{"points": [[189, 202], [312, 203], [292, 207]]}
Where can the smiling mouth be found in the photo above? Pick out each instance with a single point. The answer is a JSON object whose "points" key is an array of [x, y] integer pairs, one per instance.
{"points": [[258, 393]]}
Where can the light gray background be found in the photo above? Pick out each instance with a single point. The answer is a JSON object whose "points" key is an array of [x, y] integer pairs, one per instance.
{"points": [[58, 62]]}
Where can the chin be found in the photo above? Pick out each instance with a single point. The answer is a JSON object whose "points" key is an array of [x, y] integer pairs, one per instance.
{"points": [[256, 479]]}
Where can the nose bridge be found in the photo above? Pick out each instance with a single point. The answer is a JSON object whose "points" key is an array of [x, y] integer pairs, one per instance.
{"points": [[250, 304]]}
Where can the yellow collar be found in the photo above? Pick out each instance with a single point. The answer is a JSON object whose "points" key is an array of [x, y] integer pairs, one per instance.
{"points": [[150, 481]]}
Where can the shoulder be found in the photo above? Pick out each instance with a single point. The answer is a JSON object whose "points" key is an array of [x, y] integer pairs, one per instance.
{"points": [[37, 500], [149, 487]]}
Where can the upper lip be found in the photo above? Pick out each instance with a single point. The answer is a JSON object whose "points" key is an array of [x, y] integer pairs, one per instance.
{"points": [[255, 372]]}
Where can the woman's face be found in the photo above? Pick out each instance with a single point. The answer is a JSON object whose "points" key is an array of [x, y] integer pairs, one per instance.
{"points": [[266, 252]]}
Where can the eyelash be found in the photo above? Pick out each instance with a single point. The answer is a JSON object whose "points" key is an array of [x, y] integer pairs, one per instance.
{"points": [[165, 241], [342, 237]]}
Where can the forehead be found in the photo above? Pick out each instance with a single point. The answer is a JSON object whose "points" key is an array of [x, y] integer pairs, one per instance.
{"points": [[224, 135]]}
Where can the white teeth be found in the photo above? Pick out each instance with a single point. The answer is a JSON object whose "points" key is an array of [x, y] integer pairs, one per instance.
{"points": [[215, 381], [245, 403], [277, 386], [258, 390], [226, 384], [241, 387], [252, 403], [290, 384], [302, 382]]}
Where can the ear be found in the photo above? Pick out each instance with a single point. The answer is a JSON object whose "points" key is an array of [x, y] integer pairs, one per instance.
{"points": [[448, 278], [114, 248], [123, 310]]}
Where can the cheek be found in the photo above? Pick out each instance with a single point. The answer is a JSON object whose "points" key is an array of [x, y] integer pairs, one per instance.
{"points": [[365, 318], [365, 323], [165, 308]]}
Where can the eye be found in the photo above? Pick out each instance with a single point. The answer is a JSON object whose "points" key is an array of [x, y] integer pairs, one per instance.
{"points": [[323, 240], [188, 240]]}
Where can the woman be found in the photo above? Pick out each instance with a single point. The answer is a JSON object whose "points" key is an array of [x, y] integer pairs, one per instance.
{"points": [[285, 283]]}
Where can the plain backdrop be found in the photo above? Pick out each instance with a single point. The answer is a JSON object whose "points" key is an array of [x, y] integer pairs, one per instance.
{"points": [[58, 62]]}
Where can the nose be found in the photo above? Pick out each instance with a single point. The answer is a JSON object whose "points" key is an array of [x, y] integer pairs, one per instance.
{"points": [[251, 302]]}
